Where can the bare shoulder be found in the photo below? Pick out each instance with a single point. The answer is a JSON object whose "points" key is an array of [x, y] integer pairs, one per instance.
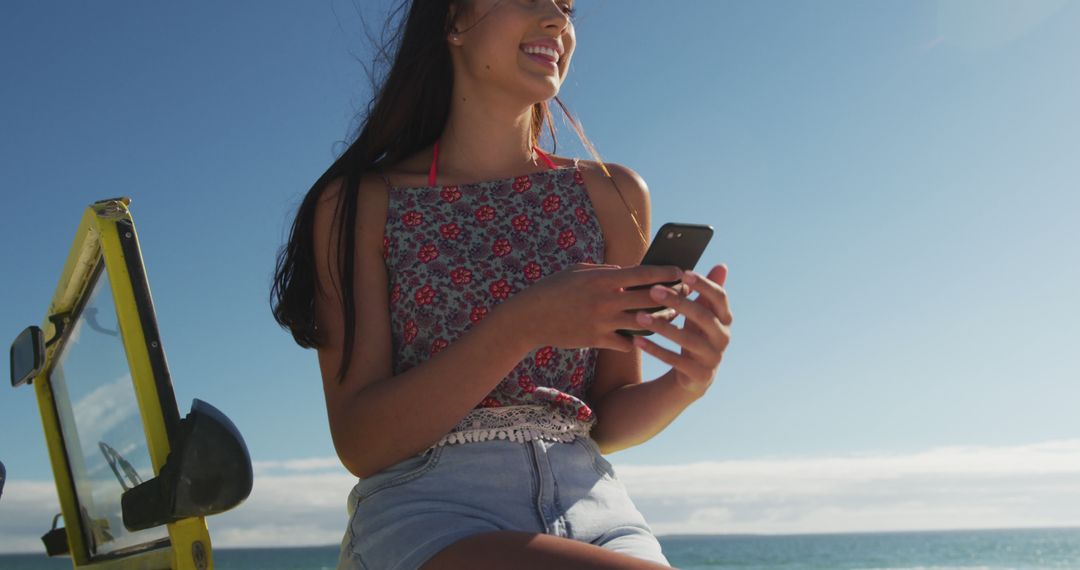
{"points": [[624, 175], [371, 203], [623, 208], [371, 186], [370, 275]]}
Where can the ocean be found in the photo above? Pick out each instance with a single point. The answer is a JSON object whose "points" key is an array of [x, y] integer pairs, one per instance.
{"points": [[1028, 549]]}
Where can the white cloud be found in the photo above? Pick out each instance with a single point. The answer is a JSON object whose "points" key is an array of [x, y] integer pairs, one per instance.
{"points": [[26, 512], [953, 487], [309, 464], [302, 501]]}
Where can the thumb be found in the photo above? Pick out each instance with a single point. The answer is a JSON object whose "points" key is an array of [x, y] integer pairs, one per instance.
{"points": [[718, 274]]}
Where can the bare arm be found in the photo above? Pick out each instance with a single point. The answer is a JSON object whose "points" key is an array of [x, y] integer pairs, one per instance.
{"points": [[634, 413], [401, 416], [378, 419]]}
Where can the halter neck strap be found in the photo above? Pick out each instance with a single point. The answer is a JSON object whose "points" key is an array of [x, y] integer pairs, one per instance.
{"points": [[435, 159]]}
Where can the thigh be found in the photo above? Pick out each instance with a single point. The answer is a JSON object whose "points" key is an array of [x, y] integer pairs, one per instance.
{"points": [[600, 510], [531, 551], [403, 516], [636, 541]]}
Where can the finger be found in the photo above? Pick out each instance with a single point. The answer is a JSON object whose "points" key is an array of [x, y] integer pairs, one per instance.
{"points": [[642, 276], [667, 314], [697, 312], [700, 313], [684, 363], [641, 299], [616, 341], [693, 341], [712, 294]]}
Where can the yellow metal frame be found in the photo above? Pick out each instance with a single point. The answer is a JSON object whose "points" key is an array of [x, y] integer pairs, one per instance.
{"points": [[98, 237]]}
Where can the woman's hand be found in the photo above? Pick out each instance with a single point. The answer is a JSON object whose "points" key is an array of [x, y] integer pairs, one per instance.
{"points": [[705, 336], [584, 304]]}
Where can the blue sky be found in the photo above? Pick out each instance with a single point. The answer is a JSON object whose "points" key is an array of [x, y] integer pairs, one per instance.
{"points": [[893, 188]]}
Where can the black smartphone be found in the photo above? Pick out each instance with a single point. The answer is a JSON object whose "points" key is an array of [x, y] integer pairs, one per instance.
{"points": [[675, 244]]}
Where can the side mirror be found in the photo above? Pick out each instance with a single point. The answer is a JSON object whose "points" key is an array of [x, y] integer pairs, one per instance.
{"points": [[27, 356], [208, 471], [3, 475]]}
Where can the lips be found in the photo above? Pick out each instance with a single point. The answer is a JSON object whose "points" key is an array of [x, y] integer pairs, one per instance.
{"points": [[542, 59], [540, 56]]}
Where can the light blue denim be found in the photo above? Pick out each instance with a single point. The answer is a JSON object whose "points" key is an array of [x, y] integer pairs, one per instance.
{"points": [[405, 514]]}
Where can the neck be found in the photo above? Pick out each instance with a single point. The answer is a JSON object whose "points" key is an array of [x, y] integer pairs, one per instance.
{"points": [[486, 138]]}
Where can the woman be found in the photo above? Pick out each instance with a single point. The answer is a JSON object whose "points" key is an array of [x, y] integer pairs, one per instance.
{"points": [[472, 372]]}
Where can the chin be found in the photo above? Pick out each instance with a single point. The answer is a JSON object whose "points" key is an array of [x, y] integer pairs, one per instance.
{"points": [[543, 96], [535, 93], [553, 83]]}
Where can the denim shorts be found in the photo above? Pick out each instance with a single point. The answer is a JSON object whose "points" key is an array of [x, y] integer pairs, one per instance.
{"points": [[405, 514]]}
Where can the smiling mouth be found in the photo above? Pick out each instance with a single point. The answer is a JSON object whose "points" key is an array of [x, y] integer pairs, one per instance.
{"points": [[545, 61], [542, 59]]}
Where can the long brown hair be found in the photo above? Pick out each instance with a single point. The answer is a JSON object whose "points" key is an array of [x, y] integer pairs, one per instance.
{"points": [[407, 113]]}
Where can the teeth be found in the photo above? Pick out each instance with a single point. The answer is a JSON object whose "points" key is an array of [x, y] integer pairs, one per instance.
{"points": [[544, 50]]}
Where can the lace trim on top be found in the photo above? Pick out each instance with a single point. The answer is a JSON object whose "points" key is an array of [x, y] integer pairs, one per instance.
{"points": [[516, 423]]}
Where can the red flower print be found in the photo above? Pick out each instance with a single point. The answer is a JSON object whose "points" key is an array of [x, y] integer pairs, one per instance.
{"points": [[385, 246], [551, 203], [425, 295], [489, 402], [450, 231], [532, 270], [578, 179], [485, 214], [430, 251], [395, 293], [583, 413], [522, 183], [438, 344], [521, 223], [526, 384], [544, 355], [412, 218], [500, 289], [581, 215], [477, 314], [501, 247], [562, 398], [577, 378], [567, 238], [460, 276], [450, 193], [410, 331]]}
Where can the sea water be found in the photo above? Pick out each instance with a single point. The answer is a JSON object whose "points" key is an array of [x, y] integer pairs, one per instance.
{"points": [[1029, 549]]}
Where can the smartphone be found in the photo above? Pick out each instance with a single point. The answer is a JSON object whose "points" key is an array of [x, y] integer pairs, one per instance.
{"points": [[675, 244]]}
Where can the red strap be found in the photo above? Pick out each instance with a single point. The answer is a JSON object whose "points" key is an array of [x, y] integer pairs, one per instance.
{"points": [[545, 157]]}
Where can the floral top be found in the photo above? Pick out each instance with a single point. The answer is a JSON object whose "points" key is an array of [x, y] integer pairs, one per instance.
{"points": [[453, 253]]}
